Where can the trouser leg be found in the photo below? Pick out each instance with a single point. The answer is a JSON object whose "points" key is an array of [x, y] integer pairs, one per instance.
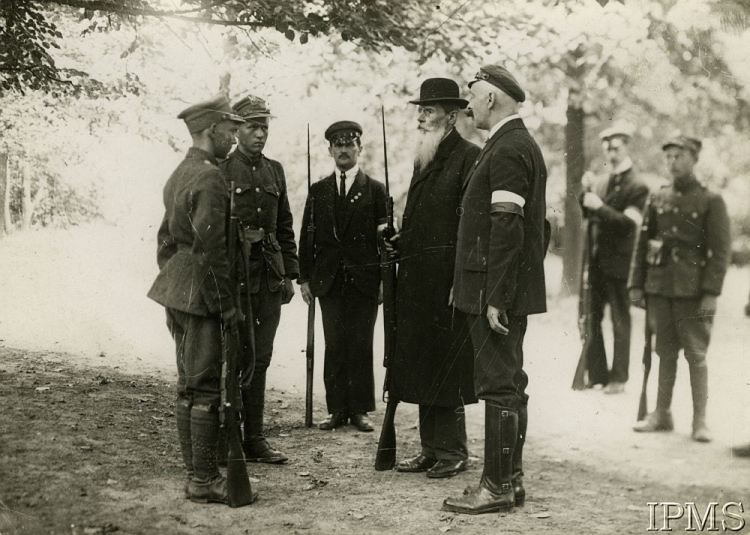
{"points": [[449, 441], [596, 355], [619, 305]]}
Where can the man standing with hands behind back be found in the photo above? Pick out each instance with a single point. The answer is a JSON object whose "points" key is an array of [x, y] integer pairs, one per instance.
{"points": [[499, 281]]}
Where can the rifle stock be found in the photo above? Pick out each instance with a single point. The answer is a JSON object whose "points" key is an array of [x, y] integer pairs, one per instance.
{"points": [[643, 403], [238, 483], [385, 457], [585, 316], [310, 349]]}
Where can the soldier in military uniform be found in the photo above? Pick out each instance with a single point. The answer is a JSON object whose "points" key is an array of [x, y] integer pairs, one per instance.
{"points": [[345, 276], [194, 285], [262, 205], [613, 207], [499, 280], [433, 363], [679, 263]]}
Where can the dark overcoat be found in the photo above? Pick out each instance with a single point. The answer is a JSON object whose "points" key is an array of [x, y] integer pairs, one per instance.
{"points": [[192, 255], [434, 357], [351, 245], [501, 249]]}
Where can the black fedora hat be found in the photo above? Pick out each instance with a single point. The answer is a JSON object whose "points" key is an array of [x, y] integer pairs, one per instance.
{"points": [[439, 90]]}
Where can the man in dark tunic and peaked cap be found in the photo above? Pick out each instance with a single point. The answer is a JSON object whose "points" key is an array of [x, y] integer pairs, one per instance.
{"points": [[262, 205], [194, 286], [433, 363], [679, 263]]}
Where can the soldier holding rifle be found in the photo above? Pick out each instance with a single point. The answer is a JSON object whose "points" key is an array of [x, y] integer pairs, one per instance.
{"points": [[195, 287], [679, 263], [433, 363], [345, 276], [613, 208], [265, 218]]}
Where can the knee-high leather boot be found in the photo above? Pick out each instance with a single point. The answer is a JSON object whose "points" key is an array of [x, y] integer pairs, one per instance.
{"points": [[518, 490], [661, 418], [256, 446], [207, 485], [699, 386], [495, 491]]}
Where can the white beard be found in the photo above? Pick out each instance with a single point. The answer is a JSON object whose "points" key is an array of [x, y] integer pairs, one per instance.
{"points": [[426, 147]]}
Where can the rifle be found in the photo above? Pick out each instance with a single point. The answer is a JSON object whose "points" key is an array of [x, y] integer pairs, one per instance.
{"points": [[643, 403], [310, 351], [585, 314], [230, 413], [385, 459]]}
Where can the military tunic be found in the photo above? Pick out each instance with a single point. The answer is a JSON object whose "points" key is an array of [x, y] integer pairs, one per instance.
{"points": [[194, 282], [682, 254], [262, 205]]}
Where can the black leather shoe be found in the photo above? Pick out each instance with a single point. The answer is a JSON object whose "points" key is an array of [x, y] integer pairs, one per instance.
{"points": [[362, 422], [214, 491], [260, 451], [741, 451], [420, 463], [333, 421], [443, 469]]}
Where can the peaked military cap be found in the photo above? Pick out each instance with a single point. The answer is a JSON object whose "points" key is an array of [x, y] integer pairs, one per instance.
{"points": [[501, 78], [439, 90], [252, 107], [343, 131], [618, 129], [202, 115], [684, 142]]}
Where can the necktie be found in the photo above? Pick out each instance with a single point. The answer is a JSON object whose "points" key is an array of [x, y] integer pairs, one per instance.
{"points": [[342, 186]]}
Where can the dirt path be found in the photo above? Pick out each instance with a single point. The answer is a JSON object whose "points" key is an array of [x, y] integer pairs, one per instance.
{"points": [[92, 450]]}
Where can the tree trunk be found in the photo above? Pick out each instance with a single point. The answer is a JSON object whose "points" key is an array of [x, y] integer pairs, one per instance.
{"points": [[27, 206], [4, 194], [575, 165]]}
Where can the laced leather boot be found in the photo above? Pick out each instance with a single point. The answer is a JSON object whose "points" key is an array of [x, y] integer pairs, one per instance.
{"points": [[207, 485], [495, 490], [182, 415]]}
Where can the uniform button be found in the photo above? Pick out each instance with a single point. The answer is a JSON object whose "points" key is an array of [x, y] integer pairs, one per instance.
{"points": [[261, 229], [460, 211], [695, 215], [258, 209], [238, 190], [253, 168], [675, 210], [257, 189], [674, 229], [660, 211], [617, 188]]}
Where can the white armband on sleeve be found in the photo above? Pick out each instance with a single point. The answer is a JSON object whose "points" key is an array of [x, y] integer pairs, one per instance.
{"points": [[507, 201], [635, 214]]}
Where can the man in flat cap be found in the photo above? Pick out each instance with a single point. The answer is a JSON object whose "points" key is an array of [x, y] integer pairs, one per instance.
{"points": [[262, 205], [433, 364], [345, 276], [679, 263], [613, 206], [195, 287], [499, 280]]}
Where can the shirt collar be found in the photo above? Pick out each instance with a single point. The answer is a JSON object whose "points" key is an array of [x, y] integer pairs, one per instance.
{"points": [[195, 152], [351, 173], [626, 164], [502, 123]]}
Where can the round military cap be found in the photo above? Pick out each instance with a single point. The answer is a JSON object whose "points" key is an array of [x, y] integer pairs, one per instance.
{"points": [[202, 115], [436, 90], [617, 130], [501, 78], [343, 131], [252, 107], [684, 142]]}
